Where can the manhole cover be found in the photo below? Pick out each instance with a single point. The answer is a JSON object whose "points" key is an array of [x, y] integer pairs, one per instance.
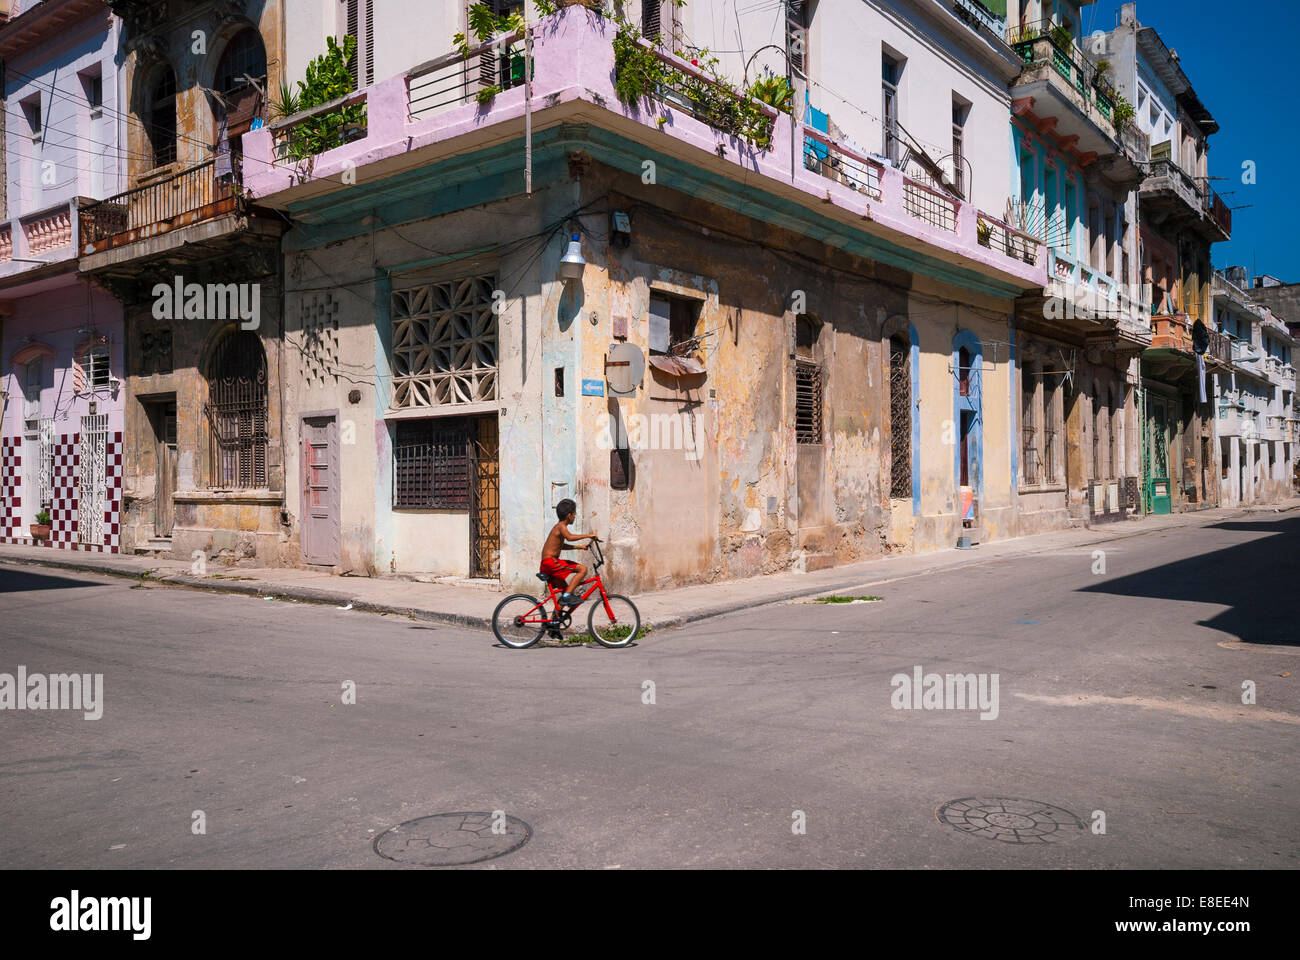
{"points": [[450, 839], [1011, 820]]}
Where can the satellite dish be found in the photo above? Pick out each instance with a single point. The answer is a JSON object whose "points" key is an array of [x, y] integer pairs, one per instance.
{"points": [[624, 369]]}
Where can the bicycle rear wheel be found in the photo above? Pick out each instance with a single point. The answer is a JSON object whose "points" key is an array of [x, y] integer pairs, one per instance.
{"points": [[519, 620], [618, 630]]}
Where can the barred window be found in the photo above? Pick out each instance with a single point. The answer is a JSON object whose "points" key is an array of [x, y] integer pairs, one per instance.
{"points": [[445, 343], [237, 412], [900, 419], [1029, 425], [431, 464], [808, 402]]}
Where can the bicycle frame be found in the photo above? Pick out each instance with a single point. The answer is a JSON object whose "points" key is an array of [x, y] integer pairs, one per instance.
{"points": [[553, 597]]}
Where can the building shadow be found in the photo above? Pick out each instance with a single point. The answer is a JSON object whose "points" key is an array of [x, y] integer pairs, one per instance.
{"points": [[1253, 580], [23, 581]]}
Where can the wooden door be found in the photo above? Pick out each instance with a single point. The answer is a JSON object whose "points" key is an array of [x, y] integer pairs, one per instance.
{"points": [[320, 490], [165, 481]]}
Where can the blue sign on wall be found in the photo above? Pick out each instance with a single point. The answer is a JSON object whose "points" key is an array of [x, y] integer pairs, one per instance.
{"points": [[593, 388]]}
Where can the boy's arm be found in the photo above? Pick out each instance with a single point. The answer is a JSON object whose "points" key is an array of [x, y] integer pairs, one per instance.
{"points": [[573, 537]]}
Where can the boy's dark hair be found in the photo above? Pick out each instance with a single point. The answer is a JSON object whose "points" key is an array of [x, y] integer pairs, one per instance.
{"points": [[565, 507]]}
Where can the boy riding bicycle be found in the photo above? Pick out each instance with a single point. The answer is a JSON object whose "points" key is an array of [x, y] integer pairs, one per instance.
{"points": [[553, 566]]}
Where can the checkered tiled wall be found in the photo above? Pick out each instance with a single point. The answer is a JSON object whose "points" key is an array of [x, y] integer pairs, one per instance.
{"points": [[65, 482]]}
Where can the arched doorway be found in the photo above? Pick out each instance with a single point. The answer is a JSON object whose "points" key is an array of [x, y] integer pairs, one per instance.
{"points": [[237, 412], [161, 112]]}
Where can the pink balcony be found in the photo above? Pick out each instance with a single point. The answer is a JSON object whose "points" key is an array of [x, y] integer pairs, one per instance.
{"points": [[436, 110]]}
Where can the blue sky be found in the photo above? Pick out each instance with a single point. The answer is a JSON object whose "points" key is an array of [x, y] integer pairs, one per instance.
{"points": [[1243, 58]]}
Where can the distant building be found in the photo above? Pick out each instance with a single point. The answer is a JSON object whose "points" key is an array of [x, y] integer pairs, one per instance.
{"points": [[1255, 397], [61, 358]]}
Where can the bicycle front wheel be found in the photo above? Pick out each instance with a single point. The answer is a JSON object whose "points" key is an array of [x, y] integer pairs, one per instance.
{"points": [[616, 626], [519, 621]]}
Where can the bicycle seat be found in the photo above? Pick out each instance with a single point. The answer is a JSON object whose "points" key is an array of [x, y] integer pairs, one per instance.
{"points": [[542, 577]]}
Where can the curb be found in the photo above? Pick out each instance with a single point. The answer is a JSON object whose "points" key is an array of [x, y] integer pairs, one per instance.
{"points": [[301, 594]]}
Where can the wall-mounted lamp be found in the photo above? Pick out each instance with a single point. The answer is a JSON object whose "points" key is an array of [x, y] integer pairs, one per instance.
{"points": [[572, 263]]}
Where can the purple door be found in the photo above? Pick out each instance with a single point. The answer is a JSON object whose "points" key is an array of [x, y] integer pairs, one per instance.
{"points": [[320, 490]]}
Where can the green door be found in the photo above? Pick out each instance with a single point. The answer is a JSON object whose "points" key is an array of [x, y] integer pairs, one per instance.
{"points": [[1158, 487]]}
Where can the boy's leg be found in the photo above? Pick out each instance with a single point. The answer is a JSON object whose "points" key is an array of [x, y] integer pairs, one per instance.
{"points": [[579, 575]]}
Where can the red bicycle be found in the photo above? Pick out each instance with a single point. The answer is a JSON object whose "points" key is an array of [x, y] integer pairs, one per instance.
{"points": [[520, 620]]}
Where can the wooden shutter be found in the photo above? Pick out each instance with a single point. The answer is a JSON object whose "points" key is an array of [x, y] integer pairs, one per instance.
{"points": [[650, 19], [361, 24]]}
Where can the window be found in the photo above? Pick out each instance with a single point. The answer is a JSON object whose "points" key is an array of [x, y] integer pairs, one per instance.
{"points": [[237, 412], [360, 23], [92, 88], [807, 402], [672, 323], [651, 19], [900, 418], [1053, 427], [959, 112], [890, 75], [32, 112], [242, 63], [431, 464], [796, 35], [1029, 458], [445, 343], [94, 372], [162, 118]]}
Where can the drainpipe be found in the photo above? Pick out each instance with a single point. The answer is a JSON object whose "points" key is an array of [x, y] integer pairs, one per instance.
{"points": [[528, 106]]}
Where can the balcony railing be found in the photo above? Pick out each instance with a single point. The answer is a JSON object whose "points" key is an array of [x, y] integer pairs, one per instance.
{"points": [[50, 231], [1043, 42], [974, 12], [1219, 211], [186, 197], [456, 78], [1174, 332], [1006, 239], [930, 205], [835, 161]]}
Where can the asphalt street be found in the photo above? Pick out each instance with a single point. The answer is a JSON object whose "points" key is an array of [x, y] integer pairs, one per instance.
{"points": [[774, 738]]}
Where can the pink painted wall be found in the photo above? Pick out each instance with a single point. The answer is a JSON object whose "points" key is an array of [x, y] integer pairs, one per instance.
{"points": [[574, 62]]}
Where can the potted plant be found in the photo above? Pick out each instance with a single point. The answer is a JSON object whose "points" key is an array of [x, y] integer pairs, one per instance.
{"points": [[41, 528]]}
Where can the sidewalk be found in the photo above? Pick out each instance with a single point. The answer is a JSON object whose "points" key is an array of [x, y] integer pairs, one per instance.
{"points": [[472, 606]]}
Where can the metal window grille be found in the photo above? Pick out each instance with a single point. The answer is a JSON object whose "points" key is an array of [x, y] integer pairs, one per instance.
{"points": [[445, 343], [1029, 432], [95, 366], [45, 476], [237, 412], [900, 420], [808, 402], [92, 462], [431, 464]]}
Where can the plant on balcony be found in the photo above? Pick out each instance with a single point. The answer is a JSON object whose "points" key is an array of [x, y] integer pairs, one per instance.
{"points": [[328, 78], [639, 74], [983, 232], [774, 91], [1124, 112], [1063, 37]]}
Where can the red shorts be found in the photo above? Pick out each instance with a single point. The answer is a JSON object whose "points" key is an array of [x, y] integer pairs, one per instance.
{"points": [[558, 571]]}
